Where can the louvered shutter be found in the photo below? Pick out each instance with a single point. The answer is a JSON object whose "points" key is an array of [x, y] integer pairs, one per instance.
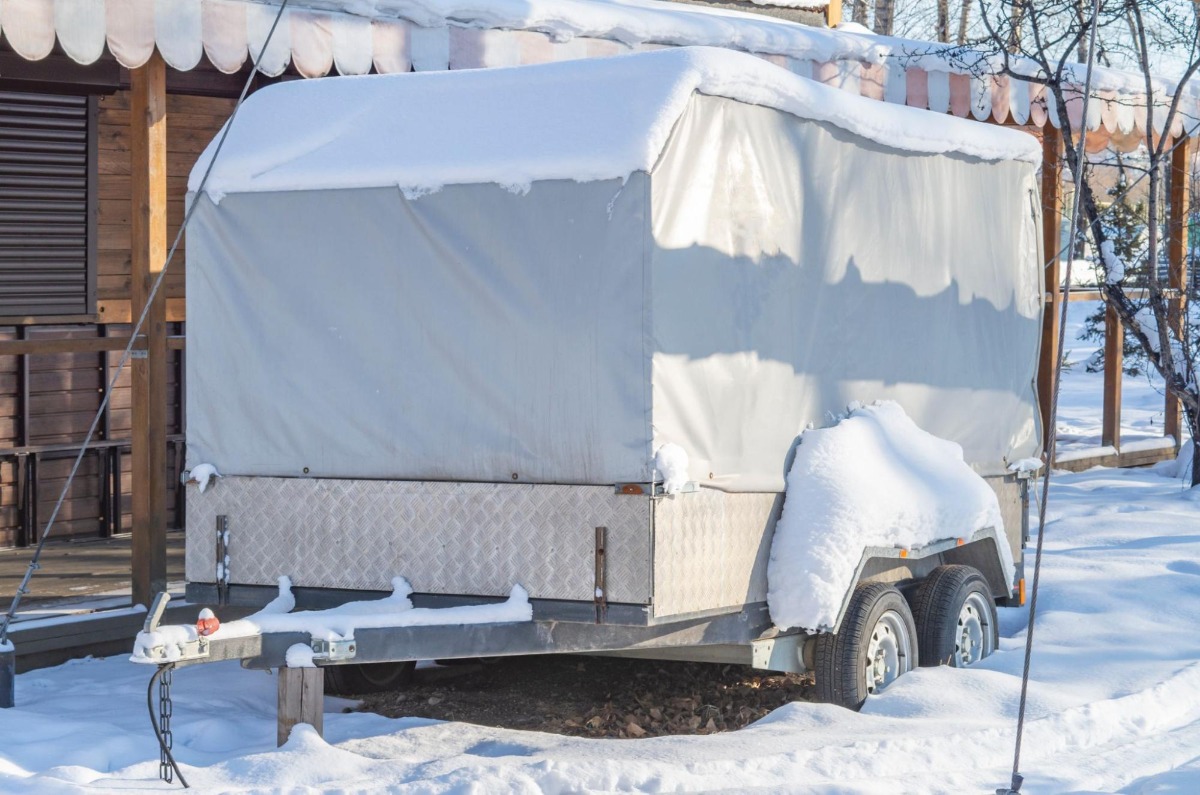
{"points": [[43, 204]]}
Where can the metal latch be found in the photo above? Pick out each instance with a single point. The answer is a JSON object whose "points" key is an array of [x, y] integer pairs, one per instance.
{"points": [[157, 607], [601, 591], [654, 489], [334, 650], [222, 572]]}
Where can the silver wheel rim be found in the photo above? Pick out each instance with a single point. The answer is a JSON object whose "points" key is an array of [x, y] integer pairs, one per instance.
{"points": [[887, 651], [972, 636]]}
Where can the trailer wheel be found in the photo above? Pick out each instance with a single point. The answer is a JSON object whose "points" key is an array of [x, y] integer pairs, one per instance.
{"points": [[362, 678], [876, 644], [956, 617]]}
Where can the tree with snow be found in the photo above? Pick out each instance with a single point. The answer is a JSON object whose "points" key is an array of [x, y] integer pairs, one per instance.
{"points": [[1125, 223], [1040, 42]]}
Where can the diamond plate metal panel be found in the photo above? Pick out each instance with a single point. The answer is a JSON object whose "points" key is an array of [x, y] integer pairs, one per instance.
{"points": [[1012, 510], [448, 538], [711, 550]]}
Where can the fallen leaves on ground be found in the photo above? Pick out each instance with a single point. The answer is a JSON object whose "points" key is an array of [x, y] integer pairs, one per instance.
{"points": [[596, 697]]}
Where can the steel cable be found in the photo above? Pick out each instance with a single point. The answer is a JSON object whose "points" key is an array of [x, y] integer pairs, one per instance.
{"points": [[1052, 442]]}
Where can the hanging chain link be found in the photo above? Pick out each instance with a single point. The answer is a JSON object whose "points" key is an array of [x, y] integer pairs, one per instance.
{"points": [[165, 771]]}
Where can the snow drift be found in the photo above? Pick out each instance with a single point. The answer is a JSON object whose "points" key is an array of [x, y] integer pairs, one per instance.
{"points": [[872, 479]]}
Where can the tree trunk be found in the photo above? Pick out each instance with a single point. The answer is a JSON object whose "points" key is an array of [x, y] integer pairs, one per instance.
{"points": [[1194, 425], [859, 15], [884, 16], [943, 21], [964, 20], [1154, 341], [1082, 48], [1016, 19]]}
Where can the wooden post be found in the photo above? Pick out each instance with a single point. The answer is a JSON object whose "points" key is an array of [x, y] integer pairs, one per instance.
{"points": [[1177, 246], [8, 677], [301, 700], [833, 13], [148, 252], [1114, 365], [1051, 225]]}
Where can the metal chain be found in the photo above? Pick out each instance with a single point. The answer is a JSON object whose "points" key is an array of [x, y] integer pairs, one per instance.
{"points": [[166, 771]]}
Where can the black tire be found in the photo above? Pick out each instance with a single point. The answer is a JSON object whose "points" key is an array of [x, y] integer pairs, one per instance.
{"points": [[362, 678], [841, 659], [450, 663], [938, 607]]}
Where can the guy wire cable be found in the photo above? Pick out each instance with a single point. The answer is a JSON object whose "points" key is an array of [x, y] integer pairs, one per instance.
{"points": [[1017, 779]]}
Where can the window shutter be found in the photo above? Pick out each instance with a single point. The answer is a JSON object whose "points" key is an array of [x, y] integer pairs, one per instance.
{"points": [[44, 244]]}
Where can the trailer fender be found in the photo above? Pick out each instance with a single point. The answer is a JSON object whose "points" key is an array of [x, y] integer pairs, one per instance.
{"points": [[905, 567]]}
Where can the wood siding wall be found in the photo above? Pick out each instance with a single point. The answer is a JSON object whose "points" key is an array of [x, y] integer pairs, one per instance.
{"points": [[191, 123], [48, 400]]}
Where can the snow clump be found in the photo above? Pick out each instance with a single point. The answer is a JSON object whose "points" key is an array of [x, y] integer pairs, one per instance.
{"points": [[671, 461], [873, 479], [203, 474], [1026, 466], [1114, 266]]}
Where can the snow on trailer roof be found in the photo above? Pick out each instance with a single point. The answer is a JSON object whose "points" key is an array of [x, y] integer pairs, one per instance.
{"points": [[584, 120]]}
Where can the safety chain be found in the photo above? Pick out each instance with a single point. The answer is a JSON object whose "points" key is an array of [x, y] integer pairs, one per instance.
{"points": [[165, 771]]}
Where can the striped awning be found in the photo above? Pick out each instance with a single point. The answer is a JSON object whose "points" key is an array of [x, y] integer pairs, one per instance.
{"points": [[359, 36]]}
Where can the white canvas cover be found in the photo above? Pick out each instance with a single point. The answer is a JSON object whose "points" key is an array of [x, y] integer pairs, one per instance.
{"points": [[738, 255]]}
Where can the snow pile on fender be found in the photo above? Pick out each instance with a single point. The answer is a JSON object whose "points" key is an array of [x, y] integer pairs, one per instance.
{"points": [[872, 479]]}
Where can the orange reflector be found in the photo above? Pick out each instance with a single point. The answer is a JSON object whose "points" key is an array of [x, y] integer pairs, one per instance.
{"points": [[1021, 591], [207, 623], [961, 541], [632, 488], [904, 553]]}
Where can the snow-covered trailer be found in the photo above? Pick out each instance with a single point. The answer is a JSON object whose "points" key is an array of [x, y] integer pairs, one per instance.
{"points": [[440, 324]]}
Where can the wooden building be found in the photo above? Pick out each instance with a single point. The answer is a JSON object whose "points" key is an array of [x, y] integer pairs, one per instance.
{"points": [[66, 272], [105, 106]]}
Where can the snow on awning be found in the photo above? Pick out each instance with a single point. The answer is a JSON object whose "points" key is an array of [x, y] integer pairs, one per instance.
{"points": [[358, 36]]}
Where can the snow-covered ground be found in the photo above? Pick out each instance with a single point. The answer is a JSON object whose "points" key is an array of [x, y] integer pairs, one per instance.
{"points": [[1114, 702], [1079, 410]]}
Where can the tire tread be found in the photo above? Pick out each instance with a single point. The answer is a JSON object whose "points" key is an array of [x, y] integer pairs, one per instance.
{"points": [[836, 673], [936, 598]]}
